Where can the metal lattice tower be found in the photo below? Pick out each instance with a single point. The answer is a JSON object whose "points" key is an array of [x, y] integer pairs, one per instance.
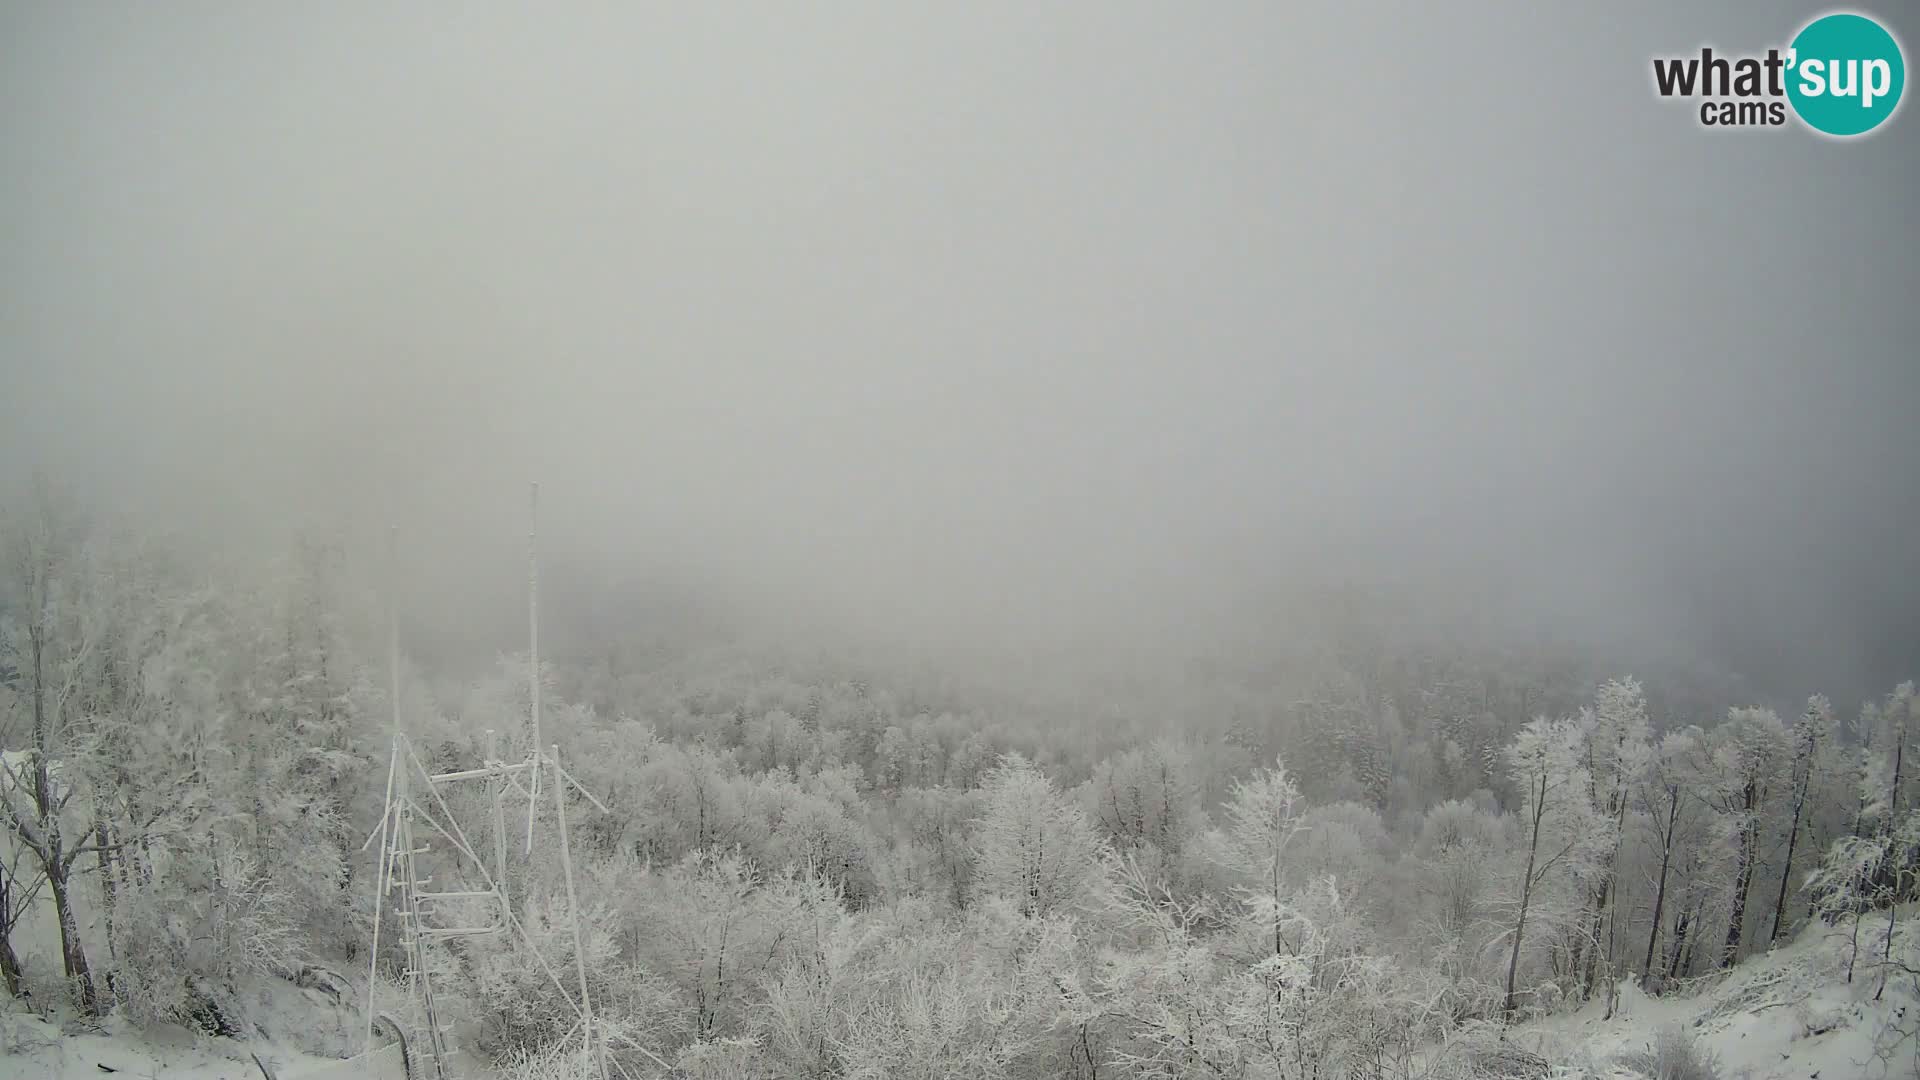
{"points": [[422, 845]]}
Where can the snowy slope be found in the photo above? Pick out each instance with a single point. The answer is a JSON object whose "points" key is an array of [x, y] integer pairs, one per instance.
{"points": [[33, 1048], [303, 1033], [1787, 1015]]}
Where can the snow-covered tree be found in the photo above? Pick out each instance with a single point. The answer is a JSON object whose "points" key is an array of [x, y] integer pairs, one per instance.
{"points": [[1145, 800], [1879, 865], [992, 996], [1808, 740], [50, 647], [1751, 755], [19, 886], [1263, 816], [1665, 797], [1617, 739], [1034, 847], [1458, 858], [1564, 835]]}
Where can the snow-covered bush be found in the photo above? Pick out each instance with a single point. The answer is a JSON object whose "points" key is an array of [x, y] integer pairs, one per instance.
{"points": [[985, 999], [185, 939], [518, 1003], [730, 1058], [1482, 1050], [1673, 1055], [556, 1061]]}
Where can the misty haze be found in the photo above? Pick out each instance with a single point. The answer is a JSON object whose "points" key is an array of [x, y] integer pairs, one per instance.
{"points": [[1102, 540]]}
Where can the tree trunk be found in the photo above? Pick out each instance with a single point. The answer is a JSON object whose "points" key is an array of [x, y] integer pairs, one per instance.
{"points": [[1678, 957], [1786, 872], [1899, 763], [1526, 898], [1887, 874], [1660, 891], [1886, 959], [1276, 904], [1693, 943], [1742, 880], [1853, 945], [73, 953], [1585, 932], [1591, 971], [104, 860], [50, 851], [9, 963], [9, 966], [1586, 960]]}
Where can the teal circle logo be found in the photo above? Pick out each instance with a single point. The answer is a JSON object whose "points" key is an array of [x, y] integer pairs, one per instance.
{"points": [[1845, 74]]}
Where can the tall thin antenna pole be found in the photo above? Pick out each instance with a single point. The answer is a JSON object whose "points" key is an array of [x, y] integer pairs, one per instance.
{"points": [[533, 645], [393, 765], [497, 787], [393, 624], [533, 608], [591, 1051], [380, 889]]}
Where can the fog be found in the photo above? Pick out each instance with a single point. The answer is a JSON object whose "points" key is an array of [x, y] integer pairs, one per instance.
{"points": [[1031, 328]]}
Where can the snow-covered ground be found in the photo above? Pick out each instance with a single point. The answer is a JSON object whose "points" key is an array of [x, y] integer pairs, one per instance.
{"points": [[1790, 1014], [32, 1048], [302, 1033], [1786, 1015]]}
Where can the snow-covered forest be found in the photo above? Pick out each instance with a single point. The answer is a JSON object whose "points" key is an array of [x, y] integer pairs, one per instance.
{"points": [[1098, 540], [811, 869]]}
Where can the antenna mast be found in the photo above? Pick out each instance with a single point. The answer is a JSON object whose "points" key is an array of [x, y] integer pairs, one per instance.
{"points": [[533, 647], [430, 915], [393, 624], [393, 768]]}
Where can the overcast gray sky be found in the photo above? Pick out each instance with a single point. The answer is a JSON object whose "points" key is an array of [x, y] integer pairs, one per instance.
{"points": [[989, 318]]}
